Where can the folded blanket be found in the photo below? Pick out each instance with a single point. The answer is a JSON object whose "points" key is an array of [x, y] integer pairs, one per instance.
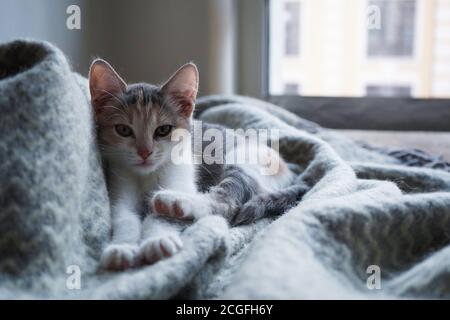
{"points": [[364, 208]]}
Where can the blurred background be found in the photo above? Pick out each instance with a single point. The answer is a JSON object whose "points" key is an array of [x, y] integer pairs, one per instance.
{"points": [[145, 40], [346, 48], [360, 48], [377, 69]]}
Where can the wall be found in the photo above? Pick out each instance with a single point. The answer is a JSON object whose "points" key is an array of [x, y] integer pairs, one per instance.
{"points": [[45, 20], [144, 40], [251, 62]]}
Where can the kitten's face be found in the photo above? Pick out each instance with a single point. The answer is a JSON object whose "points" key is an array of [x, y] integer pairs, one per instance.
{"points": [[135, 122]]}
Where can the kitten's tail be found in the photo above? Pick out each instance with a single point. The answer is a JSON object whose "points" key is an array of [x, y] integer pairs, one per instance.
{"points": [[270, 204]]}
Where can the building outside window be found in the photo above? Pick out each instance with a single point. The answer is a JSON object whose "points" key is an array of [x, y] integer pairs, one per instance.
{"points": [[396, 37], [331, 51], [388, 91], [292, 41], [291, 88]]}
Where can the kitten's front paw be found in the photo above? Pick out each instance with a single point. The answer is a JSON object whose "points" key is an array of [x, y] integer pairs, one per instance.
{"points": [[119, 257], [155, 249], [179, 205]]}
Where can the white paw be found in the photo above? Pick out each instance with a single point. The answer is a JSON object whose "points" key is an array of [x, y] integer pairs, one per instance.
{"points": [[119, 256], [180, 205], [154, 249]]}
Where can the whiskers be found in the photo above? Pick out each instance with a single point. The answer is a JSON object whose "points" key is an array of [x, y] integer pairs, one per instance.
{"points": [[114, 153]]}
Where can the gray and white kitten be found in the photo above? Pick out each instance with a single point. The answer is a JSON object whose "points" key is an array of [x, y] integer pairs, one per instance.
{"points": [[149, 193]]}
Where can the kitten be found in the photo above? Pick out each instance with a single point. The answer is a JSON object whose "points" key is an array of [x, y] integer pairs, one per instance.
{"points": [[152, 197]]}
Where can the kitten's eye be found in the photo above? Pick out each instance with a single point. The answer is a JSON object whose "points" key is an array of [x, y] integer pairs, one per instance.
{"points": [[123, 130], [163, 131]]}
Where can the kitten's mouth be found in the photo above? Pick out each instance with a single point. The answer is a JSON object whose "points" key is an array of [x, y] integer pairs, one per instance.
{"points": [[143, 164]]}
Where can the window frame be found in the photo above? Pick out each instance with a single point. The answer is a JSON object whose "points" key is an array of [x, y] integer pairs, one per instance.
{"points": [[414, 56], [298, 48], [363, 113], [376, 86]]}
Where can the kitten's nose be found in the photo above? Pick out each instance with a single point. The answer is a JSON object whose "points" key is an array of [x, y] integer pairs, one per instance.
{"points": [[144, 153]]}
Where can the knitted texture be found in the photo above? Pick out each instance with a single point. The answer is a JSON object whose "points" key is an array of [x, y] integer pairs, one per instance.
{"points": [[364, 208]]}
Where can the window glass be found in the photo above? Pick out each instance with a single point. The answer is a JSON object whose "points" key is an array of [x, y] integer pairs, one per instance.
{"points": [[292, 25], [396, 37], [388, 91], [291, 88], [355, 48]]}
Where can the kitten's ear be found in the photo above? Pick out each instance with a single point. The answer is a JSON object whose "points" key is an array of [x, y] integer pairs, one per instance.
{"points": [[182, 87], [105, 84]]}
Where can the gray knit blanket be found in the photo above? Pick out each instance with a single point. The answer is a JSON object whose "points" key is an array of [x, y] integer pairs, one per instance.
{"points": [[370, 227]]}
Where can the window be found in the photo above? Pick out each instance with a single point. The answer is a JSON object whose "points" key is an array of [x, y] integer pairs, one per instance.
{"points": [[291, 36], [291, 88], [395, 37], [329, 48], [388, 91], [352, 75]]}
